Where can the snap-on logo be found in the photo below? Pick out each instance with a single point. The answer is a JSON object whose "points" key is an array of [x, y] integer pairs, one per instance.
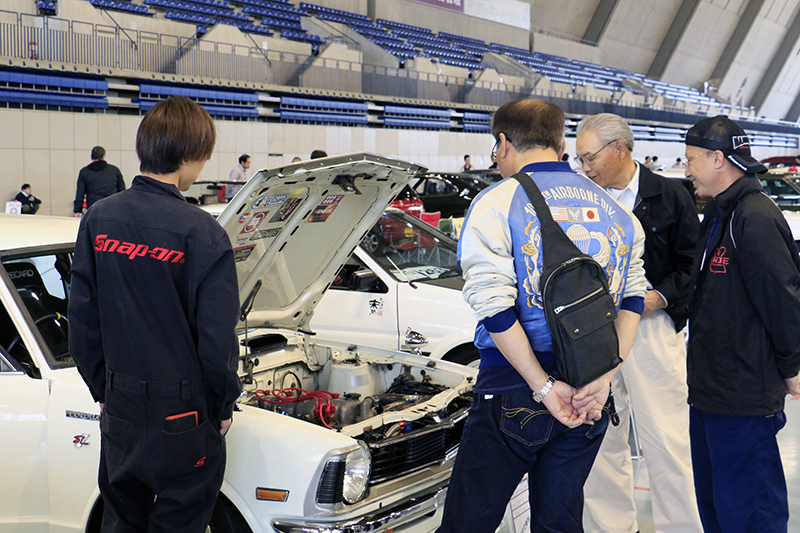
{"points": [[16, 274], [103, 244], [719, 263]]}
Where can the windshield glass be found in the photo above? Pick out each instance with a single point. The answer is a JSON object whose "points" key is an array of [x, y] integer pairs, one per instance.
{"points": [[410, 249], [42, 283]]}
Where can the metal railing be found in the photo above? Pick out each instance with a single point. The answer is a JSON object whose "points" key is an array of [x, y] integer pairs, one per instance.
{"points": [[97, 46]]}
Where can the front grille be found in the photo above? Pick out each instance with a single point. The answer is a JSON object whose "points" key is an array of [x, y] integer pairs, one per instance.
{"points": [[397, 456]]}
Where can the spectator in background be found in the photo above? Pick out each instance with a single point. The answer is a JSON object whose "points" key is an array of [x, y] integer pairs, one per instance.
{"points": [[565, 157], [647, 162], [239, 174], [467, 164], [317, 154], [655, 164], [96, 181], [678, 163], [30, 204], [296, 159], [494, 162]]}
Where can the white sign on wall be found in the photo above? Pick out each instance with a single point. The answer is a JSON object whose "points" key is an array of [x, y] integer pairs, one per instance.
{"points": [[509, 12]]}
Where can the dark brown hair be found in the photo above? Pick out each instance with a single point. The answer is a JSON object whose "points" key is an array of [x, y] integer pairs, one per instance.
{"points": [[529, 124], [174, 131]]}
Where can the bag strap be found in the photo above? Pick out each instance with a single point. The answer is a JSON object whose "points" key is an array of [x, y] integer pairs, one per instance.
{"points": [[553, 237]]}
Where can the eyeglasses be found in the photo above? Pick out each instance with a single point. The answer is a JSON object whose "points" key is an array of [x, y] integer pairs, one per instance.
{"points": [[589, 159], [687, 160], [497, 145]]}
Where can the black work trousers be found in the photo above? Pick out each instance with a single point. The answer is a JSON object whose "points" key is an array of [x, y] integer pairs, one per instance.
{"points": [[153, 480]]}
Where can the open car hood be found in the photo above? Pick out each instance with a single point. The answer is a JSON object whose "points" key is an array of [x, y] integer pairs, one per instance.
{"points": [[293, 227]]}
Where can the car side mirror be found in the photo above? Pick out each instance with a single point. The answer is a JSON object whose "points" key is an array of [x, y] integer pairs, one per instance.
{"points": [[365, 281]]}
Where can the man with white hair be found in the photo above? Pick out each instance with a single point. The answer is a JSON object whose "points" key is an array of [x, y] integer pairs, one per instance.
{"points": [[654, 375]]}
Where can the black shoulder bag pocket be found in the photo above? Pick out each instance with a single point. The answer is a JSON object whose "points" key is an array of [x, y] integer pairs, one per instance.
{"points": [[578, 306]]}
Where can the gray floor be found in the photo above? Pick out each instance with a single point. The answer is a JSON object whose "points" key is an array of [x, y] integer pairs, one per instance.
{"points": [[789, 442]]}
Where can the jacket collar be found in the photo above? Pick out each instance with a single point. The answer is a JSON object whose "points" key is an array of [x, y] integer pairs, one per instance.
{"points": [[97, 165], [723, 203], [145, 184], [649, 186]]}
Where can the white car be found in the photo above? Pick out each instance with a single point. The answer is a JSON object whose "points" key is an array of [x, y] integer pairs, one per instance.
{"points": [[401, 289], [377, 457]]}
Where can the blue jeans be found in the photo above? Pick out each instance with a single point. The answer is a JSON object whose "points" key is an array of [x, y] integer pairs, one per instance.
{"points": [[505, 437], [738, 474]]}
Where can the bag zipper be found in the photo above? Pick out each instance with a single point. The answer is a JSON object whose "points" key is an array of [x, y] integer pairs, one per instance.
{"points": [[560, 308]]}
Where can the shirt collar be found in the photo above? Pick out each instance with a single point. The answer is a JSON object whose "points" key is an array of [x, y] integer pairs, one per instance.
{"points": [[548, 166], [143, 183]]}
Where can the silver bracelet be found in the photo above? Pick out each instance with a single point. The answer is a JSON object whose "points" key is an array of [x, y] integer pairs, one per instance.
{"points": [[539, 396]]}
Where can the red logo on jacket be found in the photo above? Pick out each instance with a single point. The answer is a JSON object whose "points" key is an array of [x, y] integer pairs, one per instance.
{"points": [[103, 244], [719, 263]]}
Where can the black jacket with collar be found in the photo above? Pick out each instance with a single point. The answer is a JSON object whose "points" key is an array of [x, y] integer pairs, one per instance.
{"points": [[669, 218], [96, 181], [744, 337]]}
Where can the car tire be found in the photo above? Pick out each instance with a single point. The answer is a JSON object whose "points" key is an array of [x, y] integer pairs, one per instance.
{"points": [[467, 355], [373, 241]]}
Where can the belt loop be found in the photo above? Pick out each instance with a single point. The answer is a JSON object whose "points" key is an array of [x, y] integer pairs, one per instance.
{"points": [[186, 390]]}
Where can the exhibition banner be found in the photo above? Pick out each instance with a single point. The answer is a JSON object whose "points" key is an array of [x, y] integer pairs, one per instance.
{"points": [[455, 5]]}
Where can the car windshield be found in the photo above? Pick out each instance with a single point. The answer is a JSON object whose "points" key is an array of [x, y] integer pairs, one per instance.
{"points": [[410, 249], [778, 188], [42, 283]]}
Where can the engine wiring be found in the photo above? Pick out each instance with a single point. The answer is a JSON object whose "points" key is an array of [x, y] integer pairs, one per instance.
{"points": [[323, 400]]}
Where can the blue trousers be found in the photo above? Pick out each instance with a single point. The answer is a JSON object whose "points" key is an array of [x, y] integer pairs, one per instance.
{"points": [[738, 474], [505, 437]]}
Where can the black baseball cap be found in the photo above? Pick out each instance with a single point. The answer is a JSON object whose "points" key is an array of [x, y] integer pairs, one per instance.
{"points": [[723, 134]]}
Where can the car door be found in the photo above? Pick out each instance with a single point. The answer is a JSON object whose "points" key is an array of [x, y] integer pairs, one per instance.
{"points": [[361, 303]]}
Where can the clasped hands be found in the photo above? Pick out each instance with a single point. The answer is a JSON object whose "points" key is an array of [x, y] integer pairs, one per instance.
{"points": [[573, 407]]}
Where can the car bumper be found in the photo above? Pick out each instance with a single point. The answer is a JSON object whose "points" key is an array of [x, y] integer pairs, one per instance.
{"points": [[404, 512]]}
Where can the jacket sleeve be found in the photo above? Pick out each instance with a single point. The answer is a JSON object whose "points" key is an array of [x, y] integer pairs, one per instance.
{"points": [[79, 194], [85, 342], [675, 286], [485, 254], [217, 316], [636, 283], [772, 281]]}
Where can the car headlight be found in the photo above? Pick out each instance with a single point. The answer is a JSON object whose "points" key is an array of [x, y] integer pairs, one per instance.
{"points": [[356, 474]]}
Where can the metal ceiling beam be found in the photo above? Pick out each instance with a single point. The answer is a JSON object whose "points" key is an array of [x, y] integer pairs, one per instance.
{"points": [[736, 39], [599, 23], [776, 64], [672, 38]]}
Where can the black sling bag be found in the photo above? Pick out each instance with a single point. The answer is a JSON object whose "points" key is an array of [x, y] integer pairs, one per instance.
{"points": [[578, 306]]}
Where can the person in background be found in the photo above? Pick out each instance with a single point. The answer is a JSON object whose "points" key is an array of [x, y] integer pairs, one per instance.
{"points": [[296, 159], [655, 165], [565, 157], [30, 204], [654, 374], [238, 174], [467, 164], [318, 154], [524, 419], [153, 334], [96, 181], [678, 163], [647, 161], [494, 162], [744, 343]]}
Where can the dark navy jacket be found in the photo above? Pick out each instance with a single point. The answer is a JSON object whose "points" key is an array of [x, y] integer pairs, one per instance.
{"points": [[154, 294], [744, 337], [96, 181]]}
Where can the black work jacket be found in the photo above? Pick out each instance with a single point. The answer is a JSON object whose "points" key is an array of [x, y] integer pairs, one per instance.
{"points": [[97, 181], [744, 337], [669, 218], [154, 294]]}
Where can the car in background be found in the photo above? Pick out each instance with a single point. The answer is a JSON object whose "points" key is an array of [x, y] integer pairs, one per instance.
{"points": [[405, 291], [448, 193], [782, 162], [489, 174], [371, 450]]}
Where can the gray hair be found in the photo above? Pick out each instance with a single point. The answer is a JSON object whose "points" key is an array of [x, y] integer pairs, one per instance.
{"points": [[608, 127]]}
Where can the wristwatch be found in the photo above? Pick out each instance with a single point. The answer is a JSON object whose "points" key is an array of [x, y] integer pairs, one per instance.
{"points": [[539, 396]]}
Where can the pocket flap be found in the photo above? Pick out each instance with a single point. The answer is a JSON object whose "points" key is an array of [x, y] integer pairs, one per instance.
{"points": [[587, 318]]}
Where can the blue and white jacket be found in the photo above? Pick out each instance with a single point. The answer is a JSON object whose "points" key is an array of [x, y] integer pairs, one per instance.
{"points": [[499, 253]]}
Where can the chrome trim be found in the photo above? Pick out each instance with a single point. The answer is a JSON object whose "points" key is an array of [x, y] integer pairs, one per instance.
{"points": [[404, 512]]}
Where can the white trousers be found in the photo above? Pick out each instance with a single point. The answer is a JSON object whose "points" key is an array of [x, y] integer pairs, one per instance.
{"points": [[654, 378]]}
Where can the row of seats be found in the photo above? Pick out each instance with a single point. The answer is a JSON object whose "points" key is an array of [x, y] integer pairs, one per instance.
{"points": [[46, 8], [331, 11], [201, 94], [121, 6], [273, 13], [45, 80], [198, 9], [47, 98], [315, 40], [215, 110], [317, 117], [279, 23], [416, 111], [339, 106]]}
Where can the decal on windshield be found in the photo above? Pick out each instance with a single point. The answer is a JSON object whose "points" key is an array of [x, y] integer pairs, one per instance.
{"points": [[419, 272], [286, 209], [326, 208], [265, 234], [270, 200], [254, 221]]}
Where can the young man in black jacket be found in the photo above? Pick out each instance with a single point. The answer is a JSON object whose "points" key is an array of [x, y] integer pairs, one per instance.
{"points": [[153, 310], [744, 343], [96, 181], [653, 376]]}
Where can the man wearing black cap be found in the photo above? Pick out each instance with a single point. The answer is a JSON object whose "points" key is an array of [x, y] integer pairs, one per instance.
{"points": [[744, 344]]}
